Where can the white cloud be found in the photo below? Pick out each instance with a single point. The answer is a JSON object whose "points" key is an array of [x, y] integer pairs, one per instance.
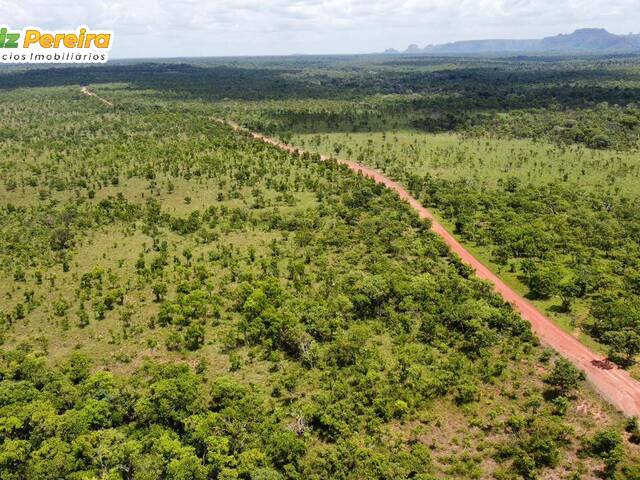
{"points": [[226, 27]]}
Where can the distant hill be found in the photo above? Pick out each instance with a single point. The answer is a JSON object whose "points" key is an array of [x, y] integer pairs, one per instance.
{"points": [[583, 40], [591, 39], [485, 46]]}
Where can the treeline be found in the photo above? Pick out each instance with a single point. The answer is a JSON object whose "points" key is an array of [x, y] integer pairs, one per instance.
{"points": [[589, 101], [304, 322]]}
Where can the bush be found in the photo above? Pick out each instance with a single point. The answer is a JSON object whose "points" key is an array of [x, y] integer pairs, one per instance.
{"points": [[606, 445], [194, 336], [565, 377], [174, 341]]}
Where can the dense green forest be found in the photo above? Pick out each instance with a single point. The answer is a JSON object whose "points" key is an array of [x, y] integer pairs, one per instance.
{"points": [[591, 101], [180, 301]]}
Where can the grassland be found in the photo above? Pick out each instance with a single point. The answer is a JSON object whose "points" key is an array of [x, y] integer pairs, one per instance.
{"points": [[484, 161], [179, 301]]}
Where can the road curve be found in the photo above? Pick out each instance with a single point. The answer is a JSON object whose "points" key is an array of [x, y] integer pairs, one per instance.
{"points": [[616, 386]]}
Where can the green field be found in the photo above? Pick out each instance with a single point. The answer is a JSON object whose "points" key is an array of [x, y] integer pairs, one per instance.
{"points": [[483, 161], [180, 301]]}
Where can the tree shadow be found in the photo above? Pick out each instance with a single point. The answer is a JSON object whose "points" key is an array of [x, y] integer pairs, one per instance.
{"points": [[558, 308]]}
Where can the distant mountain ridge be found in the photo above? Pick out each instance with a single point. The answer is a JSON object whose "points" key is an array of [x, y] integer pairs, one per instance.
{"points": [[582, 40]]}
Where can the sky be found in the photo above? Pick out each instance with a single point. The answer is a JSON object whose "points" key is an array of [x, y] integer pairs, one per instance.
{"points": [[171, 28]]}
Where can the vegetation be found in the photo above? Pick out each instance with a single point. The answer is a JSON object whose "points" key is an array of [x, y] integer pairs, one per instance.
{"points": [[557, 217], [180, 301], [571, 241]]}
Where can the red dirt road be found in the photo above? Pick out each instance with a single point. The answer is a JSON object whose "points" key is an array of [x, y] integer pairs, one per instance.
{"points": [[615, 385], [90, 93]]}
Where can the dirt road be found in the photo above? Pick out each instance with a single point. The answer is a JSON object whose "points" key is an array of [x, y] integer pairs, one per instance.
{"points": [[615, 385], [89, 93]]}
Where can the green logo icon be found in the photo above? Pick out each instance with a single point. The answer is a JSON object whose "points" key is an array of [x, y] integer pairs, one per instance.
{"points": [[8, 39]]}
